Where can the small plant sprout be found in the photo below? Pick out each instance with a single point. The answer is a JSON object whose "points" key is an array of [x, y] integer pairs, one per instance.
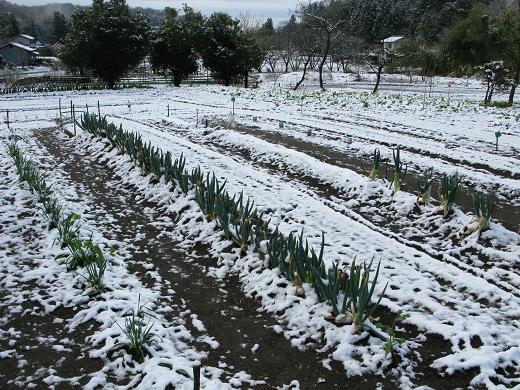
{"points": [[483, 205], [392, 342], [448, 192], [425, 186], [138, 331], [375, 161], [400, 170]]}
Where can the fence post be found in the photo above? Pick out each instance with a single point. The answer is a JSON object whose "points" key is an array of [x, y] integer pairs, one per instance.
{"points": [[98, 111], [197, 125], [168, 110], [196, 377], [74, 119], [61, 121], [86, 104], [71, 109], [7, 118]]}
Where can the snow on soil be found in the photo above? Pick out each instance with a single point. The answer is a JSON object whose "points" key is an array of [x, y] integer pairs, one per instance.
{"points": [[459, 303], [40, 264]]}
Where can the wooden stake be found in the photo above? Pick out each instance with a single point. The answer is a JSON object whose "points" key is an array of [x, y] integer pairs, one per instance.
{"points": [[74, 119], [196, 377], [61, 120], [98, 110], [7, 118], [168, 110]]}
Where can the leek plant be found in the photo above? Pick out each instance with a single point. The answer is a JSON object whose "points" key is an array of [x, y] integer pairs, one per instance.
{"points": [[361, 292], [375, 161], [68, 230], [83, 253], [244, 223], [95, 272], [260, 234], [483, 205], [224, 207], [239, 220], [207, 193], [139, 335], [52, 211], [448, 192], [278, 250], [138, 332], [425, 186], [400, 170], [334, 289]]}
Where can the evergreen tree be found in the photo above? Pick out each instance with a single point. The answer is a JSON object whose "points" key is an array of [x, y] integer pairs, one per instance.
{"points": [[507, 27], [13, 26], [33, 29], [267, 28], [229, 52], [469, 41], [174, 44], [107, 39], [59, 27]]}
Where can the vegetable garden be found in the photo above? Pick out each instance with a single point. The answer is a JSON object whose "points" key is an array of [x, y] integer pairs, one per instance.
{"points": [[394, 267]]}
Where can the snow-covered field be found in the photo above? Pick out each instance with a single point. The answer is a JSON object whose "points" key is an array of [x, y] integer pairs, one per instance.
{"points": [[301, 156]]}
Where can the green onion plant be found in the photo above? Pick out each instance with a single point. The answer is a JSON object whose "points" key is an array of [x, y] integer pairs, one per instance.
{"points": [[448, 192], [483, 205], [375, 162], [425, 186], [400, 170]]}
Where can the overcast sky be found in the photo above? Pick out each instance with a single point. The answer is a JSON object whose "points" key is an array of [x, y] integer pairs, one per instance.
{"points": [[276, 9]]}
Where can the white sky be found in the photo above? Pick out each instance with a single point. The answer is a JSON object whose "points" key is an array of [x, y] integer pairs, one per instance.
{"points": [[276, 9]]}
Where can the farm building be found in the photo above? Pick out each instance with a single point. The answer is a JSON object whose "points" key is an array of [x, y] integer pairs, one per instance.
{"points": [[18, 54], [27, 40], [392, 43]]}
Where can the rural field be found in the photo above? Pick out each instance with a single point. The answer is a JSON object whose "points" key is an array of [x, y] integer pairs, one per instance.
{"points": [[260, 238]]}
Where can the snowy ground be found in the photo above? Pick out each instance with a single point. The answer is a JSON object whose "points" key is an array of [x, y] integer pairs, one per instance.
{"points": [[452, 284]]}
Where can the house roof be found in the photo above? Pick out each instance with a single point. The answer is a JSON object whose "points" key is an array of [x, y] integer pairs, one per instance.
{"points": [[20, 46], [26, 36], [392, 39]]}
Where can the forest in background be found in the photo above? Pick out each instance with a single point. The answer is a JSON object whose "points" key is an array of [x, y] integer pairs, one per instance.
{"points": [[369, 20]]}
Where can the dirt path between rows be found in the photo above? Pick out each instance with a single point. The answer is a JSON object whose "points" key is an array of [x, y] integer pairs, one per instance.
{"points": [[40, 343]]}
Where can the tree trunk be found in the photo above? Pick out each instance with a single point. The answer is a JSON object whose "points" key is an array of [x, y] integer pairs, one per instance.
{"points": [[378, 78], [246, 79], [513, 87], [322, 63], [176, 80], [304, 72], [486, 99]]}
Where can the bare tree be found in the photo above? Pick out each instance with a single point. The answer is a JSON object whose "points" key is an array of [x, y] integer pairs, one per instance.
{"points": [[308, 44], [323, 18], [377, 62], [348, 52], [271, 59]]}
